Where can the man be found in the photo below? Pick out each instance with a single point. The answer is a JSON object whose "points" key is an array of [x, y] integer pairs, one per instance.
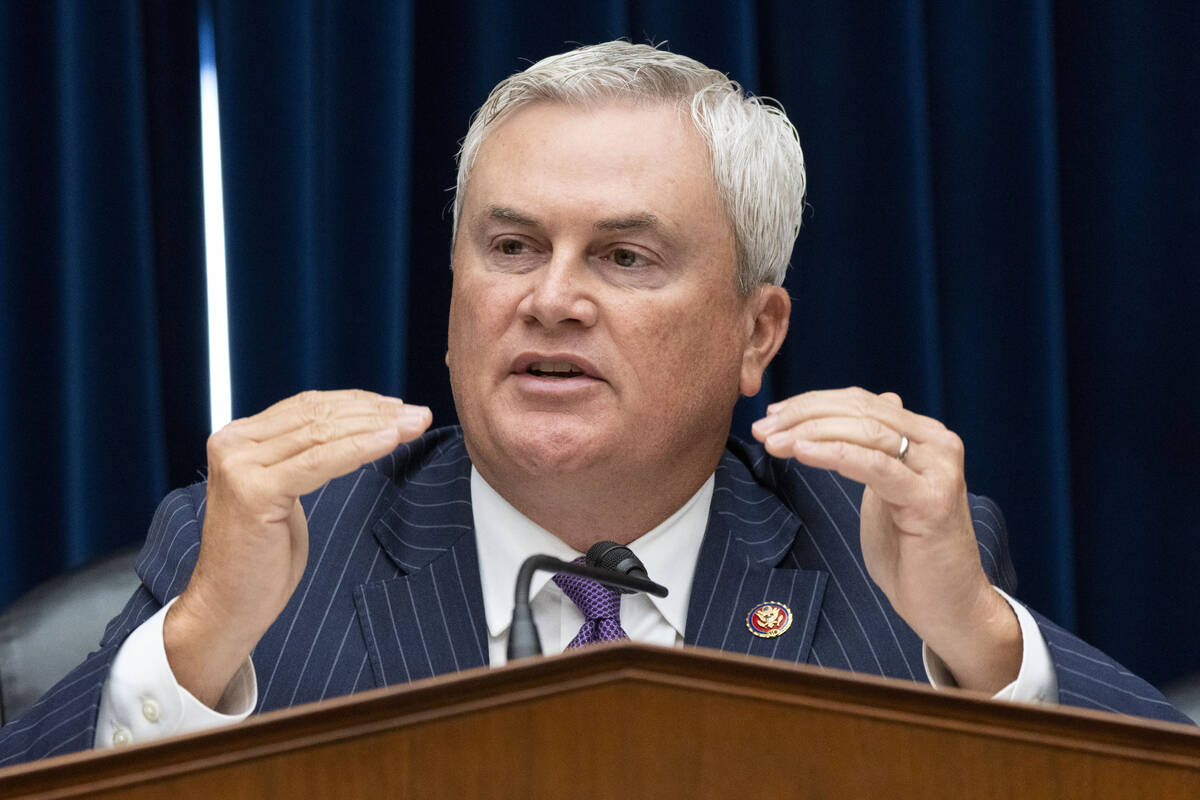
{"points": [[623, 220]]}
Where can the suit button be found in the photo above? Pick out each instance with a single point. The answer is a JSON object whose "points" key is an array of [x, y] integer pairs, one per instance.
{"points": [[122, 736], [150, 709]]}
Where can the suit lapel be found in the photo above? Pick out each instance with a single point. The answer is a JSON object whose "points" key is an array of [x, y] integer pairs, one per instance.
{"points": [[750, 532], [429, 620]]}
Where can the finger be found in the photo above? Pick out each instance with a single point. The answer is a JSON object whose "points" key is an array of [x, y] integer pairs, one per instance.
{"points": [[853, 402], [310, 469], [311, 407], [893, 398], [861, 431], [410, 421], [891, 480]]}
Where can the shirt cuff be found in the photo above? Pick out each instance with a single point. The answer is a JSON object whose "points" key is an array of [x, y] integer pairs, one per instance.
{"points": [[141, 700], [1036, 681]]}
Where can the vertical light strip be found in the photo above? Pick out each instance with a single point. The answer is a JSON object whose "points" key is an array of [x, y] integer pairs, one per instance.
{"points": [[220, 383]]}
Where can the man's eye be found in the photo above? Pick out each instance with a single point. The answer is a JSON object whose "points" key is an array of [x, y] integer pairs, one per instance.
{"points": [[512, 247], [624, 258]]}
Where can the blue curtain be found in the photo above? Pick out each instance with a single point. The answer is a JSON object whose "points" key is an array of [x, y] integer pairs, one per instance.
{"points": [[103, 368], [316, 99], [1003, 229]]}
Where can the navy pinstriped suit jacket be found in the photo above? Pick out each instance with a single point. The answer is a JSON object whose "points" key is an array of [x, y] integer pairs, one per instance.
{"points": [[392, 592]]}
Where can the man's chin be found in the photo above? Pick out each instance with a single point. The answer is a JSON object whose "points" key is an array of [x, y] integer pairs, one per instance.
{"points": [[549, 447]]}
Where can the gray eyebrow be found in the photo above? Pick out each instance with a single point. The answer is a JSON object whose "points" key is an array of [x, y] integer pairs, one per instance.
{"points": [[643, 221], [506, 214], [634, 222]]}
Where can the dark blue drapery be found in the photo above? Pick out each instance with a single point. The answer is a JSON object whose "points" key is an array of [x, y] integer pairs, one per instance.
{"points": [[103, 373], [1004, 228]]}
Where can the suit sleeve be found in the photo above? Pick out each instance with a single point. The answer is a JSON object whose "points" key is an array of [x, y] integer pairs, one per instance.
{"points": [[1086, 677], [1089, 679], [64, 719]]}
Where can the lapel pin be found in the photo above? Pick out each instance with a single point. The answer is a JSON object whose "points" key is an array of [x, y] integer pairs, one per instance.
{"points": [[769, 619]]}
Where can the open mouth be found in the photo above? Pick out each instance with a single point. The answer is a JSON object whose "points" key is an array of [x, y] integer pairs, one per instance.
{"points": [[569, 368], [554, 369]]}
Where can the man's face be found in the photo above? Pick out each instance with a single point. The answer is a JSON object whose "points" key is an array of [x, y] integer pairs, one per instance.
{"points": [[595, 328]]}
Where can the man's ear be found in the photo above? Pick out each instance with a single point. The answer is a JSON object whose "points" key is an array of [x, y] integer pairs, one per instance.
{"points": [[768, 311]]}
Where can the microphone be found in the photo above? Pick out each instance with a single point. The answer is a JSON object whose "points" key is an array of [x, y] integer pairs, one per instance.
{"points": [[618, 558], [523, 638]]}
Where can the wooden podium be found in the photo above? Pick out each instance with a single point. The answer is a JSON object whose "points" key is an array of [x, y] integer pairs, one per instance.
{"points": [[629, 720]]}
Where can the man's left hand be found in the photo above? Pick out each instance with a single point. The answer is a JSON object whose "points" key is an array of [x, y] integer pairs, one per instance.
{"points": [[918, 540]]}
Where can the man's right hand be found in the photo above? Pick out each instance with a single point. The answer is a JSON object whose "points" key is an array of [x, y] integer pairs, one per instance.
{"points": [[255, 540]]}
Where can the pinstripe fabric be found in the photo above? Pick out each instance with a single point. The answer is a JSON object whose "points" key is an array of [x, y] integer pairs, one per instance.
{"points": [[392, 593], [64, 719], [784, 532], [814, 549], [383, 584], [749, 532], [429, 620], [1089, 678]]}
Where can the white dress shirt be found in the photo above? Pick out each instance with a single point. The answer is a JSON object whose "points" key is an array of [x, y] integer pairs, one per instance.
{"points": [[141, 699], [504, 538]]}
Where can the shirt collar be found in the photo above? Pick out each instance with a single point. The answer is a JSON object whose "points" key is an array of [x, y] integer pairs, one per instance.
{"points": [[505, 537]]}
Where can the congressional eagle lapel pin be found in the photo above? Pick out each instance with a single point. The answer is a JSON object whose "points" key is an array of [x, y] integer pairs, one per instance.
{"points": [[769, 619]]}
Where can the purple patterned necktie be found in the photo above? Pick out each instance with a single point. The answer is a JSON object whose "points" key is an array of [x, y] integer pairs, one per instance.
{"points": [[600, 604]]}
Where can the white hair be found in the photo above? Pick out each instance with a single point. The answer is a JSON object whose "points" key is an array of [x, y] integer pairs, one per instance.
{"points": [[757, 163]]}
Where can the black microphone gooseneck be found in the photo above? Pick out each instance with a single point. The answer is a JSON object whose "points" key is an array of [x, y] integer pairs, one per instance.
{"points": [[618, 558], [523, 638]]}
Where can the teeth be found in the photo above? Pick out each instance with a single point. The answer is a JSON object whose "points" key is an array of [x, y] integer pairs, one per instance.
{"points": [[554, 369]]}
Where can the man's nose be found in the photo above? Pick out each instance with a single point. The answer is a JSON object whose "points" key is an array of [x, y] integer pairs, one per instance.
{"points": [[559, 292]]}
